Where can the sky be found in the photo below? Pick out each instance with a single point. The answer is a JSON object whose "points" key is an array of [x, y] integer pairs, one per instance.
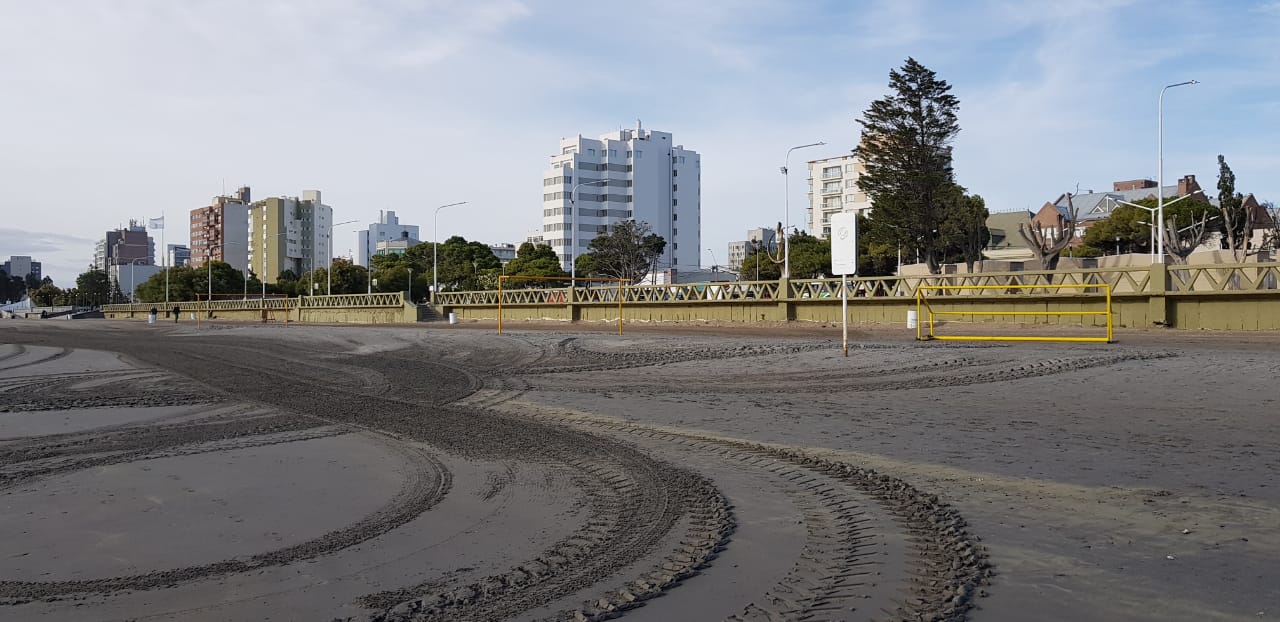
{"points": [[111, 111]]}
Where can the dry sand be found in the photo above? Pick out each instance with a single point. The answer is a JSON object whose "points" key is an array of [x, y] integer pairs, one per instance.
{"points": [[448, 473]]}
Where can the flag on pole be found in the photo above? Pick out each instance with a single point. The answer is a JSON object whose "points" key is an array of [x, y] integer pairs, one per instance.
{"points": [[157, 223]]}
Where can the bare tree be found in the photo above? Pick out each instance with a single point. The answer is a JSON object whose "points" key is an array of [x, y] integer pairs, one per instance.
{"points": [[1048, 243], [1180, 243], [1270, 227]]}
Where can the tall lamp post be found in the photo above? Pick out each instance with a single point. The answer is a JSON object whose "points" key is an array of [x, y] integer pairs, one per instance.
{"points": [[1153, 211], [786, 211], [573, 228], [411, 285], [1160, 156], [328, 271], [435, 252], [133, 283]]}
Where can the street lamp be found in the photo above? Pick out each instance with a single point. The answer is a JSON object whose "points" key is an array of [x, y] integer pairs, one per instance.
{"points": [[133, 283], [328, 271], [435, 252], [411, 286], [786, 210], [1160, 156], [573, 228], [1153, 210]]}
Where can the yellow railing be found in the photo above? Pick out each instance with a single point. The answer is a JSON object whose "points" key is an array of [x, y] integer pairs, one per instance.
{"points": [[923, 305]]}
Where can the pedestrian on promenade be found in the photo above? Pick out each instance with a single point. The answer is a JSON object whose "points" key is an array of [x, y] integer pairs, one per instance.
{"points": [[176, 312]]}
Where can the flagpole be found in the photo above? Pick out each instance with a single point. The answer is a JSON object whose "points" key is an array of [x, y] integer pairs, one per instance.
{"points": [[164, 262]]}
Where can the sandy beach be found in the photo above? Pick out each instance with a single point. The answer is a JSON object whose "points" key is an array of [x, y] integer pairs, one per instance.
{"points": [[556, 472]]}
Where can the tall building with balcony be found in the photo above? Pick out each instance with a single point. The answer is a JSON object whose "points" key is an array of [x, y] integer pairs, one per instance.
{"points": [[642, 175], [124, 246], [220, 231], [833, 188], [387, 230], [289, 233]]}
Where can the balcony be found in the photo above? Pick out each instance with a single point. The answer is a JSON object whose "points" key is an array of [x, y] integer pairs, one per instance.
{"points": [[836, 189]]}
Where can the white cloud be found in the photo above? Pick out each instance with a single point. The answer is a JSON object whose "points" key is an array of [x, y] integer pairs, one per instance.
{"points": [[131, 109]]}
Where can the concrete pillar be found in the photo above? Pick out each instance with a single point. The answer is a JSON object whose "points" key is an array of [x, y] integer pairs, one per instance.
{"points": [[1157, 286]]}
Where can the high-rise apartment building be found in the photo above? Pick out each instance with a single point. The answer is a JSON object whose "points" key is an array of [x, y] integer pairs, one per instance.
{"points": [[220, 232], [124, 246], [288, 233], [388, 230], [625, 175], [833, 187], [21, 266]]}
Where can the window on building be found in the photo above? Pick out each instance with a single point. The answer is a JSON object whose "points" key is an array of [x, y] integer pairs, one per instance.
{"points": [[591, 151], [639, 154], [675, 217], [848, 168], [675, 188], [851, 183], [628, 153], [674, 232], [674, 202], [675, 173]]}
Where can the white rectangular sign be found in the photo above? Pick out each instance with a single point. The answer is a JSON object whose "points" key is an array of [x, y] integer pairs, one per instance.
{"points": [[844, 243]]}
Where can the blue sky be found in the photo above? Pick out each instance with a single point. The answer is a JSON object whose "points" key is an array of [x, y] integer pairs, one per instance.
{"points": [[126, 110]]}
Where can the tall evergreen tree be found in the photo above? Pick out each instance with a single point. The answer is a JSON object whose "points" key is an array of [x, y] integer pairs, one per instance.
{"points": [[1236, 226], [905, 146], [630, 252]]}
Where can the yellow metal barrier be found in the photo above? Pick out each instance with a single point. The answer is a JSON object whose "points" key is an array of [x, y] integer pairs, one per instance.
{"points": [[922, 304]]}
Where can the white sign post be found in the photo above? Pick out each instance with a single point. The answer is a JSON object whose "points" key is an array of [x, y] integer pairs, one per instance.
{"points": [[844, 261]]}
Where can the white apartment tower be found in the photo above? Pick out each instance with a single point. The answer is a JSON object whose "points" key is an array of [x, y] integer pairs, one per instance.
{"points": [[642, 175], [387, 229], [833, 188]]}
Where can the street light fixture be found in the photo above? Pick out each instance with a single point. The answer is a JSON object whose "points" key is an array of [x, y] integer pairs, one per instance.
{"points": [[1160, 156], [133, 283], [435, 252], [1153, 210], [786, 210], [573, 228]]}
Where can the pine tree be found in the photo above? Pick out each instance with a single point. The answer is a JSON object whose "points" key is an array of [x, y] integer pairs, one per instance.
{"points": [[905, 146], [1236, 224]]}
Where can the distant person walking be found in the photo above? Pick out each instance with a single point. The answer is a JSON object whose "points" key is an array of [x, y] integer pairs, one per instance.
{"points": [[151, 319], [176, 312]]}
